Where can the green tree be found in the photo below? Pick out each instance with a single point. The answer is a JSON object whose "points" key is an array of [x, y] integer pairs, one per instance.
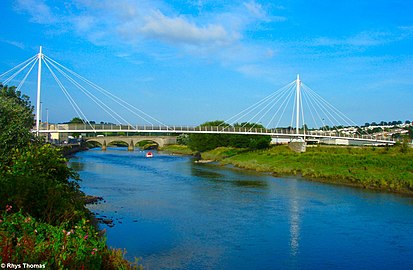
{"points": [[76, 120], [33, 176], [16, 121], [206, 142]]}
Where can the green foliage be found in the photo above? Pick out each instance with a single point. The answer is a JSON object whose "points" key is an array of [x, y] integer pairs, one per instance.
{"points": [[35, 180], [221, 153], [206, 142], [375, 168], [177, 149], [183, 139], [77, 246], [404, 147], [39, 182], [16, 120], [76, 120]]}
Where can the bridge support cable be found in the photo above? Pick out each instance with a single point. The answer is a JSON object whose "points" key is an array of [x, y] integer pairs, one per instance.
{"points": [[330, 112], [25, 77], [111, 96], [91, 96], [304, 104], [33, 58], [341, 115], [257, 106], [286, 101], [72, 102], [25, 65], [310, 105], [282, 96]]}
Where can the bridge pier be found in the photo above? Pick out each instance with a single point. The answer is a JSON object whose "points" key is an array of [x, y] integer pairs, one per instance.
{"points": [[131, 146], [104, 146], [298, 146]]}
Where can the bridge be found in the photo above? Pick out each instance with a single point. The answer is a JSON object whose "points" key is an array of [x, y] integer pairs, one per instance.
{"points": [[131, 141], [328, 122], [176, 130]]}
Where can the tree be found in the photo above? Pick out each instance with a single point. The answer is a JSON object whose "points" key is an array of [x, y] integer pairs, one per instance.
{"points": [[76, 120], [34, 176], [206, 142], [16, 121]]}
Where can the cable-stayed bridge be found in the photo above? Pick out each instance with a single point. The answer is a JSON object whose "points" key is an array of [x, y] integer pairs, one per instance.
{"points": [[294, 111]]}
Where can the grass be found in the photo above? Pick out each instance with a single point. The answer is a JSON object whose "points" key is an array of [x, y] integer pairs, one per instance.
{"points": [[222, 153], [177, 149], [375, 168]]}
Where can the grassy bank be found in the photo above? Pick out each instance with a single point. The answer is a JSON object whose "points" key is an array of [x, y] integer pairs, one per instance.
{"points": [[177, 149], [384, 168]]}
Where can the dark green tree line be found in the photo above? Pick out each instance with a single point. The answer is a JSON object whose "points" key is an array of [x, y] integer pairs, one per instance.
{"points": [[206, 142]]}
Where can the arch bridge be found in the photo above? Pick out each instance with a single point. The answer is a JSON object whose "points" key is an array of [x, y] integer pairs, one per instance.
{"points": [[131, 141]]}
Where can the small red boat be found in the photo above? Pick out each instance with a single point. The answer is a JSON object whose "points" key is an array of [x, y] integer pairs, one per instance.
{"points": [[149, 154]]}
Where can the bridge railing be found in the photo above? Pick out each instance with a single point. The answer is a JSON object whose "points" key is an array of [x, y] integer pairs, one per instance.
{"points": [[106, 128]]}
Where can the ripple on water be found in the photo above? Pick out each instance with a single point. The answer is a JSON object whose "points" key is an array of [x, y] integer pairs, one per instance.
{"points": [[180, 215]]}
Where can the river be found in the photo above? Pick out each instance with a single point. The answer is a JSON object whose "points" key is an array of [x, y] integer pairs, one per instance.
{"points": [[175, 214]]}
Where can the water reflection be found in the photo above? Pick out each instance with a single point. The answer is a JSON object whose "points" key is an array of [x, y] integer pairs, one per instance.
{"points": [[180, 215], [76, 165], [294, 221], [223, 177]]}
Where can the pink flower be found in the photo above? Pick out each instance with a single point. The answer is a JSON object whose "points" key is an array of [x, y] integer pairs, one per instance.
{"points": [[8, 208], [86, 236]]}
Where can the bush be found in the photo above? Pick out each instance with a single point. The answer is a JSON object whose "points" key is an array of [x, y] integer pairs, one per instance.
{"points": [[39, 182], [78, 246]]}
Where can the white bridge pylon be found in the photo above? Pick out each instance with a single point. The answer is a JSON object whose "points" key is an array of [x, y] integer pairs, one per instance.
{"points": [[68, 80], [295, 106]]}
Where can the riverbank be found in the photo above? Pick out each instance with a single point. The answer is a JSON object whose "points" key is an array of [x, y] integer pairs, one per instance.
{"points": [[176, 149], [387, 169]]}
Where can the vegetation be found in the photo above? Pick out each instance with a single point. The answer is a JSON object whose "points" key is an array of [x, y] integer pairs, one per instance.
{"points": [[205, 142], [221, 153], [24, 239], [177, 149], [16, 118], [44, 218], [374, 168]]}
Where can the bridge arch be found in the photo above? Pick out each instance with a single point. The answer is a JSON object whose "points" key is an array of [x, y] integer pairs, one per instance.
{"points": [[131, 141]]}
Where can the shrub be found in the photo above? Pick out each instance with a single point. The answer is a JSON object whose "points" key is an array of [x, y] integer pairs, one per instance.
{"points": [[77, 246]]}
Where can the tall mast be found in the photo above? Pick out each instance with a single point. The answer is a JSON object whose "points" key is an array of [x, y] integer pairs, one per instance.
{"points": [[39, 79], [298, 104]]}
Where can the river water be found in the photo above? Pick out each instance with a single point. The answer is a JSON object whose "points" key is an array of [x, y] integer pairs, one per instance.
{"points": [[175, 214]]}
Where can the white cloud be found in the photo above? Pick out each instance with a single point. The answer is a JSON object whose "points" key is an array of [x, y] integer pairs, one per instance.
{"points": [[13, 43], [256, 10], [37, 9], [162, 31], [180, 30], [363, 39]]}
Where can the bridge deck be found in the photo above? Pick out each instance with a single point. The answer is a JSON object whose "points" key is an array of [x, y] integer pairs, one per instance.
{"points": [[280, 133]]}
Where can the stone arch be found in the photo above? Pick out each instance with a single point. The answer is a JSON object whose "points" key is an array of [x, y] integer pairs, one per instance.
{"points": [[132, 140], [102, 143], [158, 142]]}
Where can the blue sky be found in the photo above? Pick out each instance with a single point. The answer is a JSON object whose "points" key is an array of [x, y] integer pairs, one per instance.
{"points": [[189, 61]]}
